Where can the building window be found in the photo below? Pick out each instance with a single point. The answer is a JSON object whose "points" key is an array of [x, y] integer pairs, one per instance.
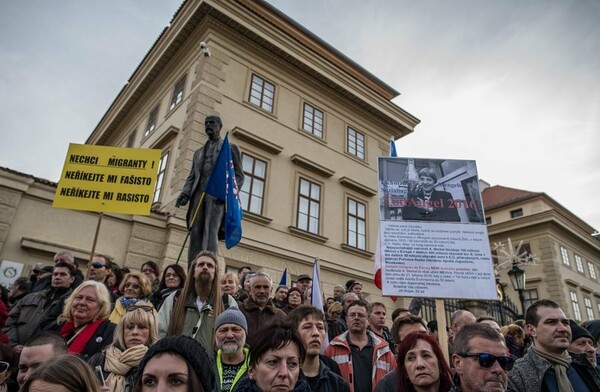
{"points": [[131, 139], [579, 264], [160, 178], [356, 143], [529, 296], [253, 190], [177, 93], [488, 220], [516, 213], [592, 269], [575, 303], [588, 308], [357, 224], [151, 121], [565, 255], [262, 93], [309, 200], [313, 120]]}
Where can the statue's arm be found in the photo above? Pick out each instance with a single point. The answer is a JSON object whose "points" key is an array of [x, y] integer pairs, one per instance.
{"points": [[237, 165], [186, 192]]}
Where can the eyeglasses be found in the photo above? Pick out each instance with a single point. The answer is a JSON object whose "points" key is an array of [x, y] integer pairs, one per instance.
{"points": [[4, 366], [487, 360], [145, 308], [171, 275], [132, 285], [97, 264], [357, 315]]}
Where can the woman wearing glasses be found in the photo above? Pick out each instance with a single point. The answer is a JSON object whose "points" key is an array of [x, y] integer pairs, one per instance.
{"points": [[135, 287], [172, 279], [421, 365], [135, 332], [84, 321], [7, 363]]}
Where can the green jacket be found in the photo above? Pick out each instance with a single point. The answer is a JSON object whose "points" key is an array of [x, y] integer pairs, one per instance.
{"points": [[243, 369], [197, 324]]}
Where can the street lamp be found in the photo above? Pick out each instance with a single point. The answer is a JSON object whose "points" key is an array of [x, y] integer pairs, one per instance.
{"points": [[517, 279]]}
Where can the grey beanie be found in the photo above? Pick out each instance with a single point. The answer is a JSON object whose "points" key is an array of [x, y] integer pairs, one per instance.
{"points": [[577, 331], [593, 328], [232, 315]]}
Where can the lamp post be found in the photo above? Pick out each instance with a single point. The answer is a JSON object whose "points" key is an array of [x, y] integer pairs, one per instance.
{"points": [[517, 279]]}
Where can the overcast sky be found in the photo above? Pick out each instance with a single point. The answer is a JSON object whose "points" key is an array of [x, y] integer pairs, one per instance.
{"points": [[513, 84]]}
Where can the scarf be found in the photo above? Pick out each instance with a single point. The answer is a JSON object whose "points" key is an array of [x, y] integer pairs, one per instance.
{"points": [[127, 302], [560, 365], [118, 363], [78, 339]]}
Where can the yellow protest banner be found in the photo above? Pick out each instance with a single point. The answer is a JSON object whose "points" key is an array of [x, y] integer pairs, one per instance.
{"points": [[108, 179]]}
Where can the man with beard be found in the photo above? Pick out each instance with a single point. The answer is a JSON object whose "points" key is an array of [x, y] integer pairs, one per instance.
{"points": [[193, 312], [547, 365], [37, 310], [363, 357], [206, 226], [316, 369], [258, 308], [231, 359]]}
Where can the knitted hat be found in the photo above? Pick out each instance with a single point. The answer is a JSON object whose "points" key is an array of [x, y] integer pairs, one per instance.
{"points": [[577, 331], [593, 328], [190, 350], [232, 315]]}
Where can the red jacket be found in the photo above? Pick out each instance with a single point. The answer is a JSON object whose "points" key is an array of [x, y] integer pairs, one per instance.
{"points": [[383, 358]]}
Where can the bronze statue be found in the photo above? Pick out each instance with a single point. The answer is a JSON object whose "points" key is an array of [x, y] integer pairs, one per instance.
{"points": [[208, 227]]}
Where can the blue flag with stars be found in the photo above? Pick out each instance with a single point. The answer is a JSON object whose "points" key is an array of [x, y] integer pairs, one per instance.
{"points": [[223, 186]]}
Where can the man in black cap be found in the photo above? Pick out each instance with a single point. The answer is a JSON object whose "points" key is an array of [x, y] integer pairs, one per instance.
{"points": [[231, 359], [304, 282], [582, 342]]}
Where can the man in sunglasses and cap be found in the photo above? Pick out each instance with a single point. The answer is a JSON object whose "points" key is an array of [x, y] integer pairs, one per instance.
{"points": [[547, 366], [481, 360]]}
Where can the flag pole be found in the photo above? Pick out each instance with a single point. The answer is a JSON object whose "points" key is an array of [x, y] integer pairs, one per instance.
{"points": [[87, 273], [190, 229]]}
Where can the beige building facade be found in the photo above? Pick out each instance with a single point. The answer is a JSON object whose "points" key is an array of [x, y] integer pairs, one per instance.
{"points": [[567, 256], [309, 122]]}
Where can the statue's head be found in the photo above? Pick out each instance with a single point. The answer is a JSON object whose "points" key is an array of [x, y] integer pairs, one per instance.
{"points": [[212, 127]]}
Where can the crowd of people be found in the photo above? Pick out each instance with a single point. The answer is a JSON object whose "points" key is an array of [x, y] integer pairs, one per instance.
{"points": [[205, 330]]}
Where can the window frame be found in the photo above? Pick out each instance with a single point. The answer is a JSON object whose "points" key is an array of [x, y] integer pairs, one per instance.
{"points": [[249, 181], [319, 133], [564, 254], [592, 269], [152, 122], [357, 236], [579, 263], [589, 309], [528, 298], [355, 153], [160, 176], [260, 100], [516, 213], [575, 305], [177, 96], [309, 199]]}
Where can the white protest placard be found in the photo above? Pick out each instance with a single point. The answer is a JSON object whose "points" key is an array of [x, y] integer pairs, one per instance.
{"points": [[434, 241], [9, 272]]}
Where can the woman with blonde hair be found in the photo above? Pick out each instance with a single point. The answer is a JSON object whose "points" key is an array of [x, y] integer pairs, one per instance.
{"points": [[84, 321], [135, 287], [136, 331], [229, 284], [63, 373]]}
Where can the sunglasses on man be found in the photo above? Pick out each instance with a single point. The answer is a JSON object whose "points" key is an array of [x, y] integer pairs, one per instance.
{"points": [[97, 264], [487, 360]]}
